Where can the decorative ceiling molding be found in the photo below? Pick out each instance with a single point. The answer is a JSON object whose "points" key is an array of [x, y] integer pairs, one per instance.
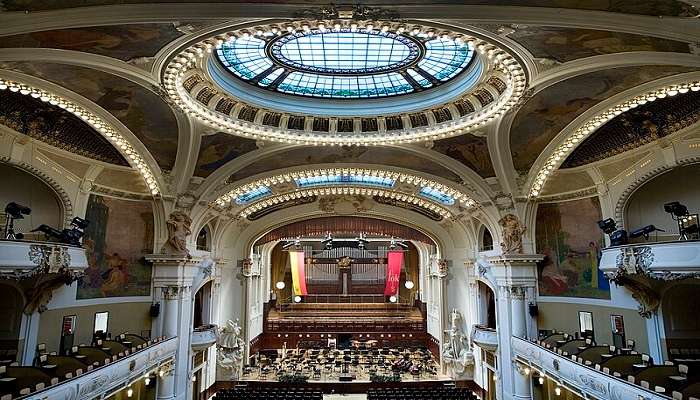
{"points": [[587, 123], [202, 99], [101, 125]]}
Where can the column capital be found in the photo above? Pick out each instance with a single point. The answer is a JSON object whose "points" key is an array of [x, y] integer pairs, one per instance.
{"points": [[174, 292]]}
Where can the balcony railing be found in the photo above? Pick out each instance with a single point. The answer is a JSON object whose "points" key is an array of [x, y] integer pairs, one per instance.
{"points": [[111, 377], [578, 378], [21, 259], [486, 338], [203, 337], [666, 260]]}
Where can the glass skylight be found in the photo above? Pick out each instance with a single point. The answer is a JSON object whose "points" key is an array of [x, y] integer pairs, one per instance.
{"points": [[323, 180], [344, 63], [434, 194], [254, 194]]}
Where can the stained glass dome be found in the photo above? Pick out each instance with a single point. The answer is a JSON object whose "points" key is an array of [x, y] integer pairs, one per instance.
{"points": [[344, 63]]}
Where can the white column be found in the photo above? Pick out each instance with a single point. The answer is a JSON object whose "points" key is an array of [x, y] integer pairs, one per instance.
{"points": [[521, 382], [30, 333]]}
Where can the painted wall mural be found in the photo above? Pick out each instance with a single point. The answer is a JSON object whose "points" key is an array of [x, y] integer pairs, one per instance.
{"points": [[470, 150], [566, 44], [120, 234], [567, 234], [647, 7], [218, 149], [140, 109], [124, 42], [345, 154], [541, 118]]}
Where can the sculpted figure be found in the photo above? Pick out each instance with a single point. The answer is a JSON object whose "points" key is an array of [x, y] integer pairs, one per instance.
{"points": [[513, 232], [455, 350], [178, 229], [230, 348]]}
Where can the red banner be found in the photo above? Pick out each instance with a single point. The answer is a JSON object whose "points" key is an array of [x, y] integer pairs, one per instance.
{"points": [[296, 260], [393, 271]]}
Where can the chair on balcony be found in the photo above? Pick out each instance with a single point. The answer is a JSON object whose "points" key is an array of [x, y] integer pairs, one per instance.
{"points": [[690, 390], [24, 380], [66, 364], [657, 375], [94, 356], [621, 365], [572, 346], [592, 355]]}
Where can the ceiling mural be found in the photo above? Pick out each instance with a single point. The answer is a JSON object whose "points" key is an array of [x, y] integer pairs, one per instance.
{"points": [[542, 117], [141, 110], [124, 42], [218, 149], [55, 126], [647, 7], [566, 44], [637, 127], [470, 150], [345, 154]]}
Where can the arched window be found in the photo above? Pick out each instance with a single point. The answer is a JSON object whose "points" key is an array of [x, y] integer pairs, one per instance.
{"points": [[204, 239], [485, 239]]}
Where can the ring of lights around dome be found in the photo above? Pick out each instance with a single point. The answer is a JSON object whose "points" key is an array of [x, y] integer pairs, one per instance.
{"points": [[554, 160], [94, 121], [268, 191], [195, 59]]}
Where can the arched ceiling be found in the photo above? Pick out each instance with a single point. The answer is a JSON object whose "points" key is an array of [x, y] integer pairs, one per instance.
{"points": [[85, 47]]}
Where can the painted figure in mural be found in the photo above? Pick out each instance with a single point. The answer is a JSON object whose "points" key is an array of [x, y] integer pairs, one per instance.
{"points": [[230, 348], [116, 277], [513, 232], [455, 349], [178, 229]]}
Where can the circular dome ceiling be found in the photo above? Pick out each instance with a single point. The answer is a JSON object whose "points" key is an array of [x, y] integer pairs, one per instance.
{"points": [[344, 63]]}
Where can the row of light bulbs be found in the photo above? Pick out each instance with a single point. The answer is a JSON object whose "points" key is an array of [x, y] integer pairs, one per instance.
{"points": [[190, 57], [343, 190], [225, 199], [564, 149], [541, 379], [94, 121], [147, 377]]}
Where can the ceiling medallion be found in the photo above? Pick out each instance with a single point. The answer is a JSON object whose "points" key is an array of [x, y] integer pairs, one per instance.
{"points": [[340, 63]]}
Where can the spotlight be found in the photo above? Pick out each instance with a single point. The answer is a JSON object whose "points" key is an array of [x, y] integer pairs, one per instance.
{"points": [[408, 285], [147, 381], [70, 236], [557, 391], [645, 231], [14, 211], [608, 226], [296, 243], [540, 380], [675, 208], [328, 241], [280, 285], [130, 392], [393, 299], [361, 241], [397, 243], [689, 226], [297, 299]]}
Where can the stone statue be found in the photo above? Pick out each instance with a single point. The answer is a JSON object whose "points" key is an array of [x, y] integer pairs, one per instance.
{"points": [[230, 348], [513, 232], [178, 229], [455, 349]]}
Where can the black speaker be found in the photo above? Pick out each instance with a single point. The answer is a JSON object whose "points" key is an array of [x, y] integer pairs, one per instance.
{"points": [[155, 310], [533, 309]]}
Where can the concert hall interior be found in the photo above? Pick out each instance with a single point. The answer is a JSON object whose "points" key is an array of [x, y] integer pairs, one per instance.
{"points": [[349, 199]]}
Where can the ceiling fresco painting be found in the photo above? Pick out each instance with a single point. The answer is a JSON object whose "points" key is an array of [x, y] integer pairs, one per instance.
{"points": [[649, 7], [345, 154], [541, 118], [124, 42], [566, 44], [141, 110], [218, 149], [470, 150]]}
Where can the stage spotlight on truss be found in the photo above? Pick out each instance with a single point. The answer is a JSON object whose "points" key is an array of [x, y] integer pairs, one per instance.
{"points": [[361, 241], [644, 231], [676, 209], [70, 236], [14, 211], [397, 243], [608, 226], [296, 243], [408, 285], [687, 223], [328, 241], [280, 285]]}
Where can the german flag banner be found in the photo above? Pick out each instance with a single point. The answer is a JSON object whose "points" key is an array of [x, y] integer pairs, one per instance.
{"points": [[393, 271], [296, 260]]}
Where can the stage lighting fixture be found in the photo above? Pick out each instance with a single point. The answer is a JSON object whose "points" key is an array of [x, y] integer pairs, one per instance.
{"points": [[397, 243], [361, 241], [608, 226], [619, 238], [676, 209], [70, 236], [688, 226], [280, 285], [408, 285], [296, 243], [297, 299], [49, 232], [14, 211], [328, 241], [644, 231], [393, 299]]}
